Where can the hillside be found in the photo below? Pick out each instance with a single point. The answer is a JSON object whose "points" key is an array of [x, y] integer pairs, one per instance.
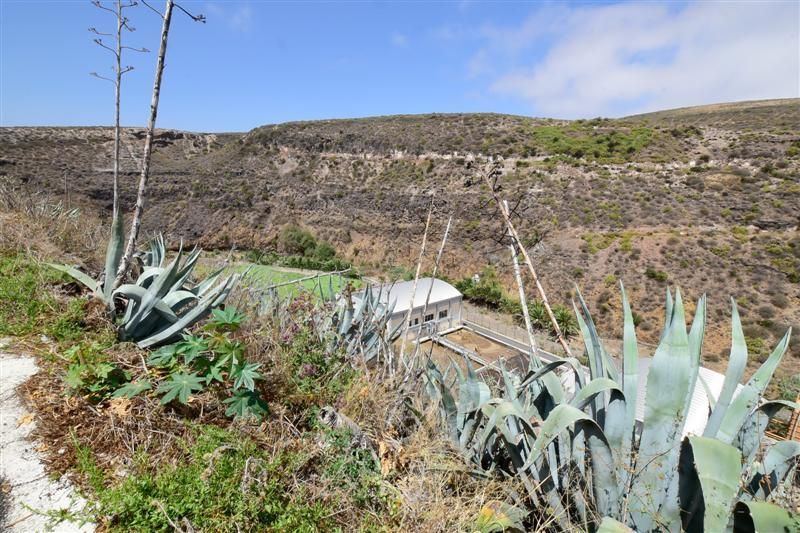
{"points": [[706, 198]]}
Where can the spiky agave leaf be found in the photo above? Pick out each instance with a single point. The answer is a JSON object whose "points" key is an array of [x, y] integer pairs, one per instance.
{"points": [[668, 385], [778, 462], [762, 517], [736, 366], [709, 482]]}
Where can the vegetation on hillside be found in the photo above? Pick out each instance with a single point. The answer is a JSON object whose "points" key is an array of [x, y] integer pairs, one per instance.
{"points": [[264, 418], [270, 412]]}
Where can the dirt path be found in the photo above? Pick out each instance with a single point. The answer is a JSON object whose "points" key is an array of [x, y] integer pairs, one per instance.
{"points": [[32, 493]]}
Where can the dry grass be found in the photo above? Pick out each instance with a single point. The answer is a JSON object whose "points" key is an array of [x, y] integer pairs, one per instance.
{"points": [[44, 228]]}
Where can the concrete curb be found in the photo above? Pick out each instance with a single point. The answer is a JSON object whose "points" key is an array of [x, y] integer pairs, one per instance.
{"points": [[33, 493]]}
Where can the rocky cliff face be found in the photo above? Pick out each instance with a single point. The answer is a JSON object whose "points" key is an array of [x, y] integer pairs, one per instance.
{"points": [[707, 198]]}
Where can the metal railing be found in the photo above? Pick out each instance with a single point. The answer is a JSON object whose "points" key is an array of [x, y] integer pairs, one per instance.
{"points": [[510, 331]]}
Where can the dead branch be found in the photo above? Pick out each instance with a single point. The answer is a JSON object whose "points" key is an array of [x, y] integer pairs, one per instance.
{"points": [[493, 174], [414, 289], [433, 275]]}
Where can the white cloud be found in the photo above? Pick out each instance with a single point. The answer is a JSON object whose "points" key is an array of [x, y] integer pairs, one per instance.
{"points": [[238, 17], [398, 39], [629, 58]]}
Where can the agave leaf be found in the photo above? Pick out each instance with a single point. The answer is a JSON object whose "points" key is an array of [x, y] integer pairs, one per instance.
{"points": [[595, 361], [752, 432], [667, 314], [592, 389], [472, 393], [696, 335], [447, 403], [533, 375], [148, 274], [609, 525], [630, 387], [762, 517], [201, 288], [149, 298], [176, 300], [607, 366], [745, 401], [630, 361], [77, 275], [605, 485], [709, 482], [779, 460], [183, 273], [736, 366], [201, 309], [669, 507], [668, 384], [564, 416]]}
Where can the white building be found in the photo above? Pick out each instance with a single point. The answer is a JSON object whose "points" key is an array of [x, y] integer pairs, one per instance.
{"points": [[443, 312]]}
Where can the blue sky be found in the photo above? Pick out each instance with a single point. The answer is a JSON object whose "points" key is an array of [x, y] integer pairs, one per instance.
{"points": [[258, 62]]}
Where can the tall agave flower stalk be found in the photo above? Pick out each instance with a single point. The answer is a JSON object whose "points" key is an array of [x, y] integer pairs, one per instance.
{"points": [[588, 463]]}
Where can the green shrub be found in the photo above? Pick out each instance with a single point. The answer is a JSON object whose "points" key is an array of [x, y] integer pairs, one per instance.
{"points": [[294, 240], [324, 251], [24, 298], [225, 483], [69, 325], [657, 275], [200, 361], [486, 291]]}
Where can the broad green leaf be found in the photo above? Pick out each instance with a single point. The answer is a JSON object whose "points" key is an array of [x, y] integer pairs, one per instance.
{"points": [[191, 347], [134, 388], [180, 386], [228, 318], [245, 404], [500, 517], [164, 356], [245, 374], [74, 376]]}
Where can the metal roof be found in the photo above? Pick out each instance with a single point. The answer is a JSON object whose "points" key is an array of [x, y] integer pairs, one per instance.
{"points": [[697, 417], [400, 293]]}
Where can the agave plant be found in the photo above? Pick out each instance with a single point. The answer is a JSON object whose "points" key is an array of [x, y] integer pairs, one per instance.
{"points": [[359, 329], [161, 304], [584, 457]]}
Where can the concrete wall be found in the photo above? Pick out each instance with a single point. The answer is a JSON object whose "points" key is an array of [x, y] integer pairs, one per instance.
{"points": [[453, 319]]}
